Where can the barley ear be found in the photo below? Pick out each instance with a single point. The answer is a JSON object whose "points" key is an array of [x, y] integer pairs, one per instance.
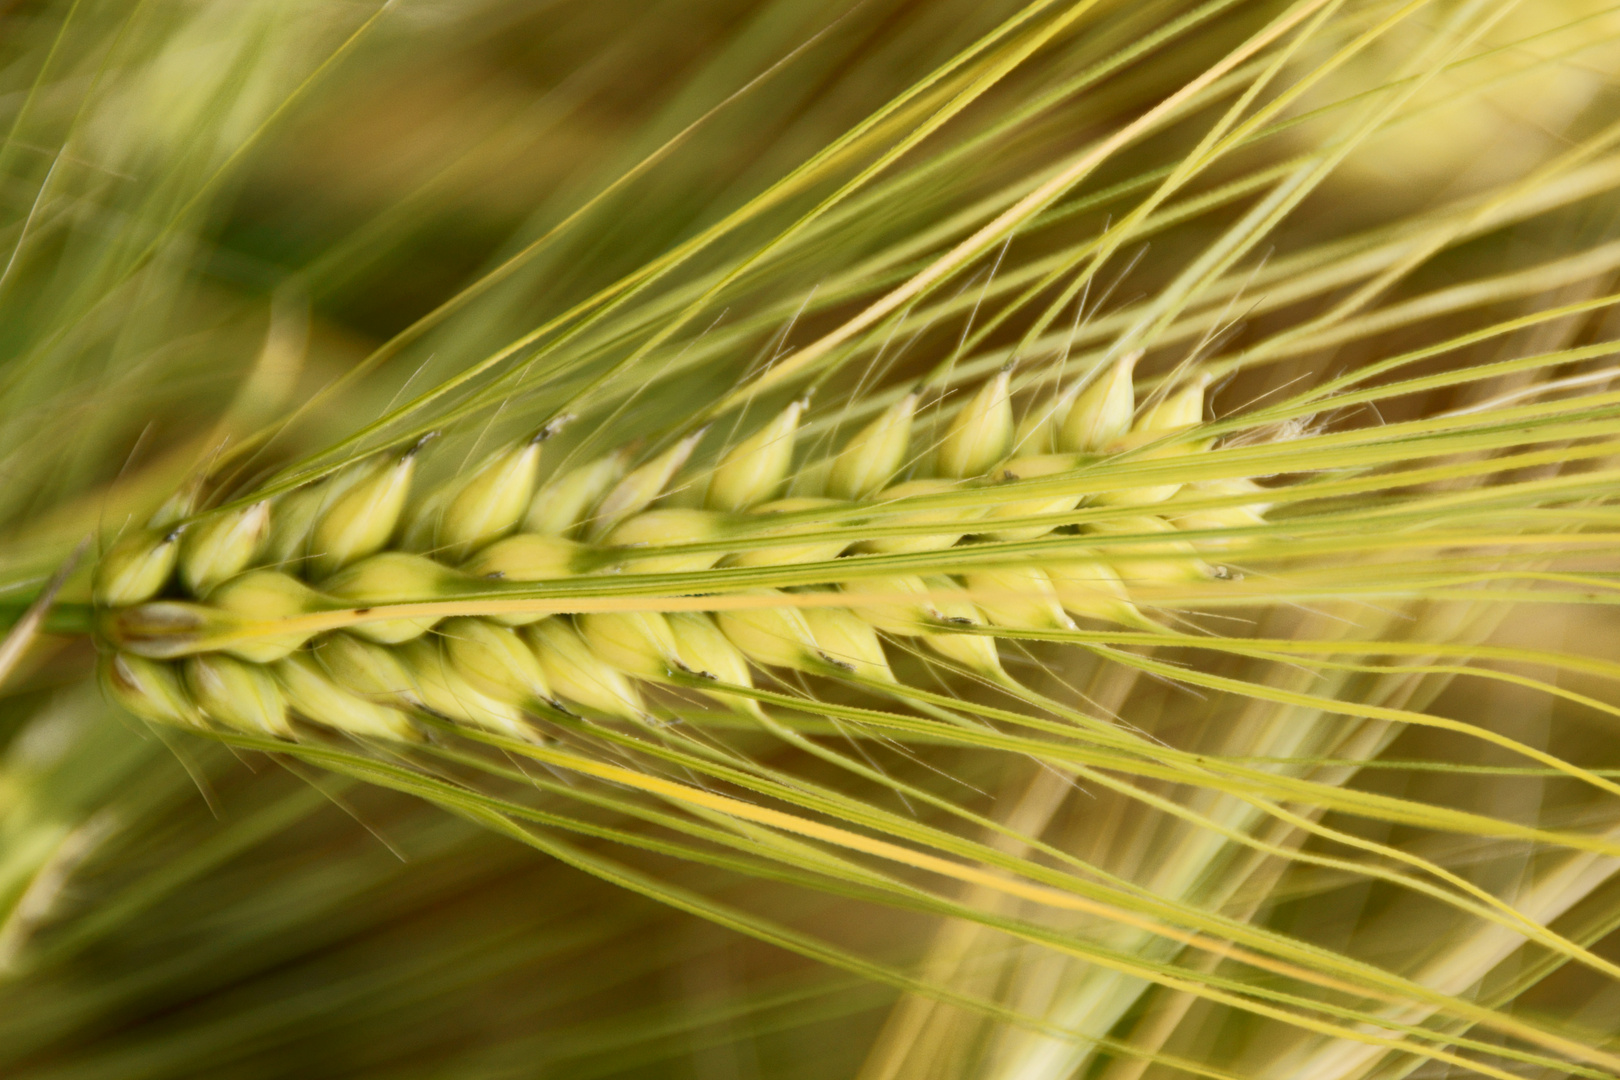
{"points": [[981, 434], [753, 470], [870, 460]]}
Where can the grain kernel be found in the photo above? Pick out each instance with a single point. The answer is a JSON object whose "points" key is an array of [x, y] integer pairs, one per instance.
{"points": [[135, 568], [150, 689], [870, 460], [222, 546], [361, 520], [1102, 412], [491, 502], [495, 660], [981, 434], [753, 470], [561, 504], [638, 643], [636, 491], [317, 698], [238, 695], [577, 674]]}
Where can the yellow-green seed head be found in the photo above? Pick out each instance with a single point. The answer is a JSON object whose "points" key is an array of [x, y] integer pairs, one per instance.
{"points": [[490, 503], [150, 689], [671, 527], [563, 503], [869, 461], [753, 470], [318, 699], [222, 546], [981, 434], [1019, 598], [579, 675], [369, 670], [361, 520], [637, 643], [495, 660], [1102, 412], [136, 568], [636, 491], [237, 695]]}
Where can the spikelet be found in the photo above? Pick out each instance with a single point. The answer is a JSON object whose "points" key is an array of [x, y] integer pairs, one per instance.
{"points": [[951, 519], [1159, 560], [136, 568], [904, 607], [1037, 432], [1090, 588], [292, 518], [1019, 598], [368, 670], [393, 577], [446, 694], [490, 503], [956, 611], [637, 643], [981, 434], [1101, 415], [1032, 467], [496, 661], [637, 490], [869, 461], [561, 504], [1217, 518], [705, 652], [847, 643], [774, 636], [150, 689], [1178, 411], [222, 546], [579, 675], [265, 596], [668, 528], [528, 557], [751, 472], [788, 554], [237, 695], [360, 520], [317, 698]]}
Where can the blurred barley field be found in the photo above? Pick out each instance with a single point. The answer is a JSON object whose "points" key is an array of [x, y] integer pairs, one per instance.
{"points": [[1354, 814]]}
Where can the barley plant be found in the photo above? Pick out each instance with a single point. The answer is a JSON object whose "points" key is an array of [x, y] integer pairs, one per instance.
{"points": [[887, 539]]}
